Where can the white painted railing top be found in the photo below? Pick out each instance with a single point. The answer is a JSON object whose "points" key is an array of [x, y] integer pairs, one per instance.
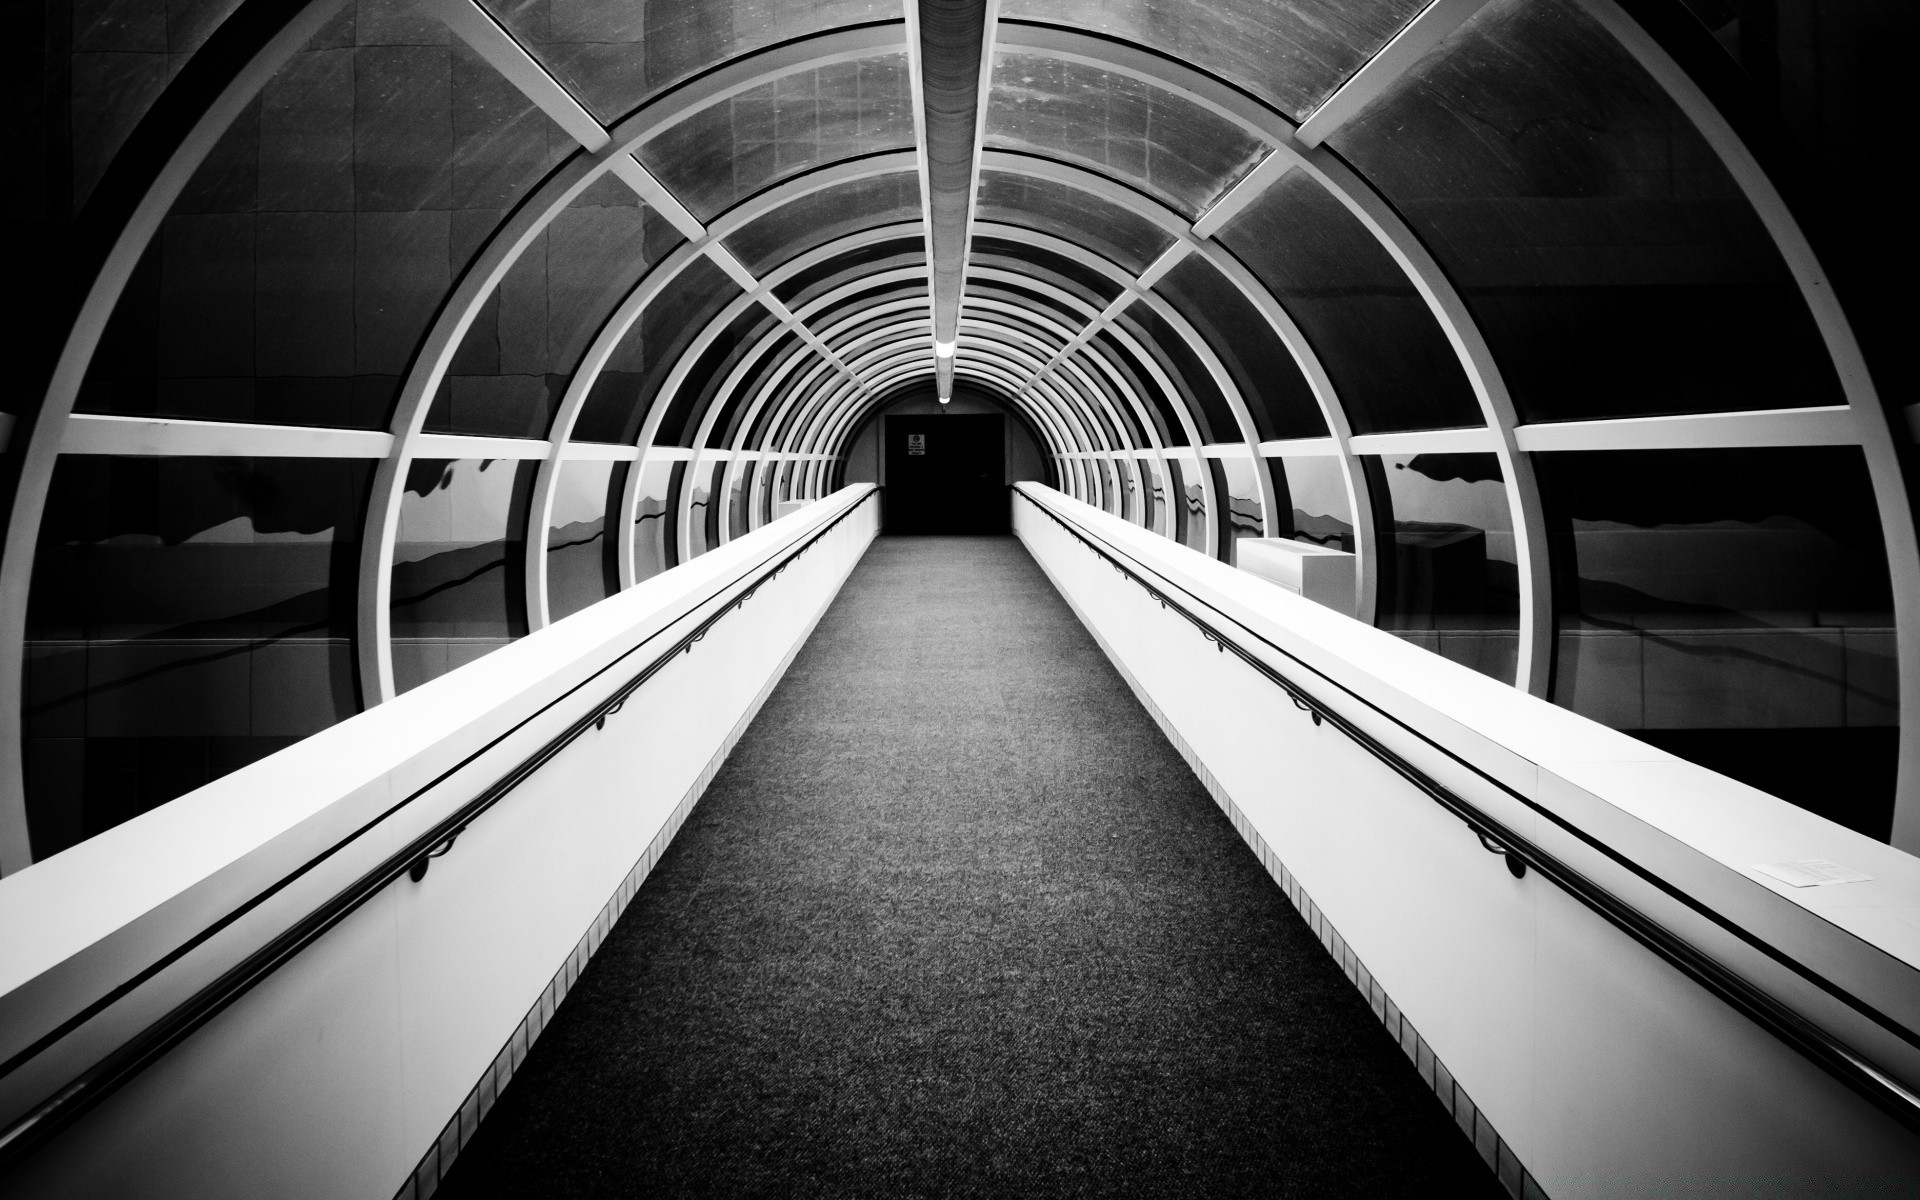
{"points": [[1694, 830], [167, 874]]}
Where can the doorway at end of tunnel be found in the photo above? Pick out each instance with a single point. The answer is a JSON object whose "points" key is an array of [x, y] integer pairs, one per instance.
{"points": [[946, 473]]}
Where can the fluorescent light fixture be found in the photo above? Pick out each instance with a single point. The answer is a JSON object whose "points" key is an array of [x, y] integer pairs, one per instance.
{"points": [[944, 349]]}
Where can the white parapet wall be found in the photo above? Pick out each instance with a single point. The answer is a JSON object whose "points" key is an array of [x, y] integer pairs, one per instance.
{"points": [[358, 1065], [1581, 1061]]}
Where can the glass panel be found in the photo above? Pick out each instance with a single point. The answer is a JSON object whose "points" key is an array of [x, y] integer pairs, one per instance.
{"points": [[299, 269], [822, 278], [1159, 142], [1202, 395], [739, 495], [583, 563], [123, 54], [1237, 482], [1153, 495], [1118, 234], [1390, 363], [1190, 502], [821, 217], [1092, 287], [1317, 492], [514, 365], [617, 406], [726, 429], [1733, 606], [1105, 349], [687, 407], [703, 531], [616, 54], [653, 533], [1277, 395], [732, 149], [1608, 256], [459, 564], [188, 616], [1293, 53], [1448, 574]]}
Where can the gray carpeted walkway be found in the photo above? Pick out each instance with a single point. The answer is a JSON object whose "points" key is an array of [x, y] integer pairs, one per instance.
{"points": [[956, 920]]}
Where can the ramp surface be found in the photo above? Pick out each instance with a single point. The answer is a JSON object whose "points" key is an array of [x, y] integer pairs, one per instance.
{"points": [[955, 919]]}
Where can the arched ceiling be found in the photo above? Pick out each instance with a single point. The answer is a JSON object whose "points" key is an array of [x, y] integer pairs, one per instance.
{"points": [[1191, 240]]}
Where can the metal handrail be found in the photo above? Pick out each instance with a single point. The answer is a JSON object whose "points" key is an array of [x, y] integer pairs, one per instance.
{"points": [[1522, 854], [28, 1132]]}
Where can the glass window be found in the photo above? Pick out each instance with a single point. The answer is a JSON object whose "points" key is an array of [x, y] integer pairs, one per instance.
{"points": [[821, 278], [702, 524], [653, 532], [1157, 141], [1190, 506], [1090, 286], [1292, 53], [1102, 348], [739, 498], [1732, 606], [459, 564], [1198, 390], [616, 54], [1153, 494], [1613, 264], [188, 617], [1237, 482], [820, 217], [1117, 234], [627, 385], [1316, 491], [122, 57], [517, 358], [688, 405], [784, 346], [300, 267], [1389, 360], [1277, 395], [583, 563], [732, 149], [1448, 577]]}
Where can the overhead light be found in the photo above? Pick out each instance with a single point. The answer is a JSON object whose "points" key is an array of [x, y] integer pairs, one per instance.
{"points": [[943, 349]]}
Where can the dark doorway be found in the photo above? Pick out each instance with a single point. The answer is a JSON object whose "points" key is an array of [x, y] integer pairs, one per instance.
{"points": [[946, 474]]}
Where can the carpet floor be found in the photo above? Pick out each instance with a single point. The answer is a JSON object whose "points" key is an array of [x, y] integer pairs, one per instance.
{"points": [[955, 920]]}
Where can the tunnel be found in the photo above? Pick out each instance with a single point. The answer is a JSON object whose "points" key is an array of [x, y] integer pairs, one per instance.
{"points": [[1032, 597]]}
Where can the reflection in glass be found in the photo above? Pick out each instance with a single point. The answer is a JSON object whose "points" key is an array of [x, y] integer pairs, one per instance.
{"points": [[302, 263], [1153, 507], [616, 54], [1190, 503], [739, 498], [1734, 607], [703, 531], [1606, 252], [1449, 579], [1317, 491], [188, 616], [583, 564], [1119, 126], [653, 532], [519, 355], [459, 564], [1236, 481], [1389, 360]]}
